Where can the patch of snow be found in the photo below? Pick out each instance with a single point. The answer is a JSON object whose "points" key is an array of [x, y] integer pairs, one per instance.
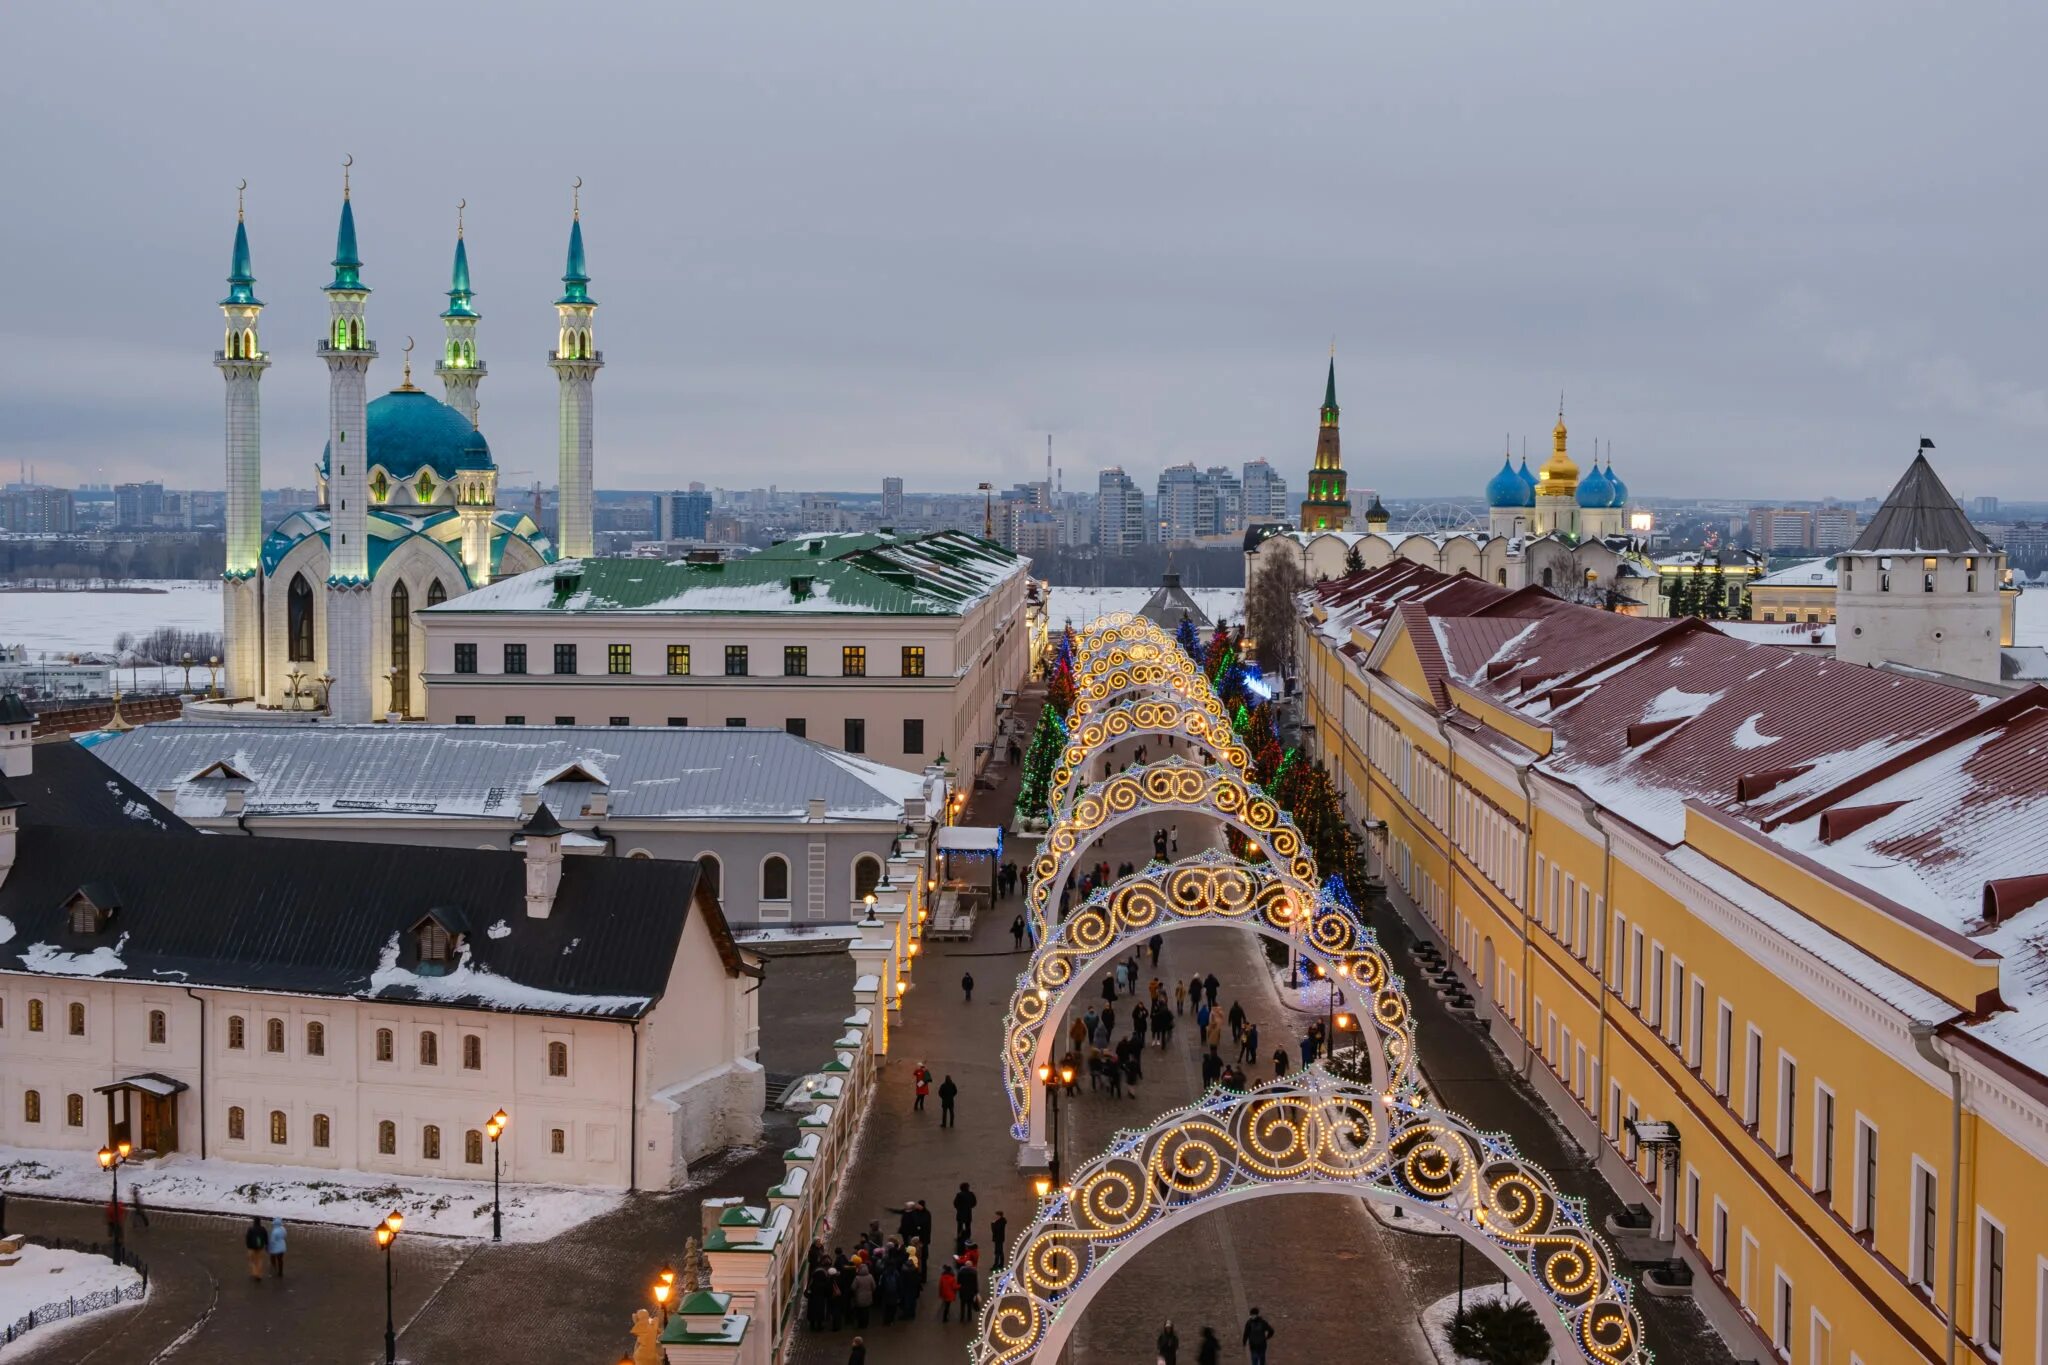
{"points": [[1674, 704], [469, 982], [47, 1278], [1747, 736], [499, 930], [6, 929], [50, 959], [1436, 1319]]}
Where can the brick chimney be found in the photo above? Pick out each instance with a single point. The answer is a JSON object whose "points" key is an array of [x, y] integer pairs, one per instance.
{"points": [[543, 862], [17, 735]]}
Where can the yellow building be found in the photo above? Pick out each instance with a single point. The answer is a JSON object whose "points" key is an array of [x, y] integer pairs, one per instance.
{"points": [[1790, 907]]}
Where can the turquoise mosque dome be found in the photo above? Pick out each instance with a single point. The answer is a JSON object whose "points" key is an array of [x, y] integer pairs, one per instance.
{"points": [[1596, 489], [1506, 489], [410, 430]]}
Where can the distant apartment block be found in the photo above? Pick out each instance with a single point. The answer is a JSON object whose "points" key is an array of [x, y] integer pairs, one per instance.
{"points": [[681, 516], [1119, 512], [138, 504], [1265, 493], [1780, 528], [38, 511]]}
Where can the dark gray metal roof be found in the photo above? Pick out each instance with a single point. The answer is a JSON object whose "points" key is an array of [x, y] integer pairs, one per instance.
{"points": [[1169, 603], [1920, 515], [483, 770], [71, 787]]}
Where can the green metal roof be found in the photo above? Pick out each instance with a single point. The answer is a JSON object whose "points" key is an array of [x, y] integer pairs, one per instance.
{"points": [[1330, 388]]}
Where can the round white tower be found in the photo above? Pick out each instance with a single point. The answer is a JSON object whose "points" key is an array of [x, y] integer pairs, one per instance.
{"points": [[576, 361], [348, 352], [241, 362]]}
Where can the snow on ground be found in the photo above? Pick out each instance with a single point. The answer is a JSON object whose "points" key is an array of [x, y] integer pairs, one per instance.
{"points": [[453, 1208], [45, 1278], [2030, 619], [1436, 1319], [1082, 605], [82, 622]]}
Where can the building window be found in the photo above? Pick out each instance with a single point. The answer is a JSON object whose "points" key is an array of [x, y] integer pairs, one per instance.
{"points": [[465, 720], [856, 735], [1781, 1329], [299, 620], [323, 1131], [35, 1016], [236, 1035], [1865, 1220], [1927, 1226], [565, 658], [618, 659], [74, 1111], [32, 1106], [735, 661], [678, 722], [473, 1148], [279, 1131], [867, 874], [798, 726], [558, 1059], [1823, 1142], [620, 720], [316, 1039], [385, 1050], [76, 1019], [679, 661], [515, 658], [387, 1138], [710, 873], [1788, 1105], [159, 1028], [913, 661], [796, 661], [565, 720], [237, 1123], [273, 1035], [515, 720], [465, 658], [853, 661], [775, 878], [1990, 1284], [558, 1142], [913, 735], [436, 594], [472, 1052], [1753, 1099], [430, 1048], [735, 722], [430, 1142]]}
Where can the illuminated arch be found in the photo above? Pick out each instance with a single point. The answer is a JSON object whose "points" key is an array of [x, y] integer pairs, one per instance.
{"points": [[1167, 786], [1183, 681], [1204, 725], [1310, 1133], [1209, 888]]}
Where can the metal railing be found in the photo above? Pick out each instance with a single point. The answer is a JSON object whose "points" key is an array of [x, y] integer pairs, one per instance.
{"points": [[64, 1309]]}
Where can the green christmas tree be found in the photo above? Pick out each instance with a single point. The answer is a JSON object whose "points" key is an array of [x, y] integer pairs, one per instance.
{"points": [[1048, 742]]}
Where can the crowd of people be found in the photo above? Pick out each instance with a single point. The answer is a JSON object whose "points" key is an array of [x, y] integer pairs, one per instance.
{"points": [[885, 1276]]}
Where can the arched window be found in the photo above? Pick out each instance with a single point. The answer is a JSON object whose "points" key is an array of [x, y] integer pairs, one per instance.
{"points": [[316, 1039], [472, 1052], [74, 1111], [76, 1019], [32, 1106], [558, 1142], [280, 1132], [159, 1027], [323, 1131], [249, 343], [387, 1138], [867, 871], [436, 594], [237, 1123], [237, 1035], [273, 1035], [385, 1051], [430, 1048], [712, 872], [473, 1147], [35, 1016], [341, 334], [558, 1059], [775, 878], [1546, 578], [355, 334], [401, 648], [299, 620], [430, 1142]]}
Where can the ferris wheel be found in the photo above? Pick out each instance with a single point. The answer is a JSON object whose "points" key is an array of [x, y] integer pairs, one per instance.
{"points": [[1442, 518]]}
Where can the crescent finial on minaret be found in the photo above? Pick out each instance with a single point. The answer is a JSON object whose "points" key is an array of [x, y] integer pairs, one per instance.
{"points": [[347, 162], [238, 199]]}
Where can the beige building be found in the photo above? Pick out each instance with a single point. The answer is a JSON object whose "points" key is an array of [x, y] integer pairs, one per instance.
{"points": [[899, 647]]}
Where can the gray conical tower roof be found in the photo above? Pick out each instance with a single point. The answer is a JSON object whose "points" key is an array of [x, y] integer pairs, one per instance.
{"points": [[1920, 515]]}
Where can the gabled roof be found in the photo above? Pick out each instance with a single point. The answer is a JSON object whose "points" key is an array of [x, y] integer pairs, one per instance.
{"points": [[1170, 604], [1919, 515], [72, 788]]}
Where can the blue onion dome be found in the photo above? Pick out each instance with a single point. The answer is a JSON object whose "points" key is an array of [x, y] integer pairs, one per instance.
{"points": [[1620, 498], [411, 430], [1528, 483], [1506, 488], [1596, 489]]}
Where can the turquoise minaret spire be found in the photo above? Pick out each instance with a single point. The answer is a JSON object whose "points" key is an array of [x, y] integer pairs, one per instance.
{"points": [[575, 361], [241, 278], [348, 352], [459, 368], [348, 266], [241, 363]]}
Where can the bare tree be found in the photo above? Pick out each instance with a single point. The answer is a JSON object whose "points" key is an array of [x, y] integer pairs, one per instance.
{"points": [[1270, 614]]}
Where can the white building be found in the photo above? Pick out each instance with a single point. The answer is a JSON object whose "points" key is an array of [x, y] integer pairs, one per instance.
{"points": [[1119, 512], [1265, 493], [365, 1007]]}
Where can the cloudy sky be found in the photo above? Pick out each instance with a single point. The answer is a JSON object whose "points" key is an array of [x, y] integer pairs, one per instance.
{"points": [[1761, 247]]}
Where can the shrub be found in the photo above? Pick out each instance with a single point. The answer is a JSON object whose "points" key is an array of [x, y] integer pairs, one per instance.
{"points": [[1500, 1333]]}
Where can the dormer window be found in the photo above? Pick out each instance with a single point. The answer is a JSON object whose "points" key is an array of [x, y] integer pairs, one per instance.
{"points": [[90, 907], [437, 942]]}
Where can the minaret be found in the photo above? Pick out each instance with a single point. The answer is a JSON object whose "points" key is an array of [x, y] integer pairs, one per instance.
{"points": [[576, 361], [1326, 508], [459, 369], [348, 353], [241, 362]]}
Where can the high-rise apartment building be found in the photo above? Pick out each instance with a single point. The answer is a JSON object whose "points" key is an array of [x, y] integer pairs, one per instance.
{"points": [[1194, 503], [138, 504], [1119, 512], [1265, 493], [33, 511], [1834, 528], [892, 501], [1780, 528], [681, 516]]}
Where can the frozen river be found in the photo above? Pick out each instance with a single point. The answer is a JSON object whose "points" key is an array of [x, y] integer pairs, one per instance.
{"points": [[87, 622]]}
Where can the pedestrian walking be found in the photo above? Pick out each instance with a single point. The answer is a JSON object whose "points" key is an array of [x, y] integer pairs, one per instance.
{"points": [[1212, 1068], [998, 1236], [1153, 943], [1140, 1018], [1248, 1049], [1279, 1062], [1169, 1344], [967, 987], [1201, 1018], [1077, 1032], [963, 1212], [818, 1295], [1236, 1021], [1173, 839], [1213, 1034], [947, 1091], [1308, 1048], [1180, 998], [1017, 934], [969, 1281], [134, 1206], [922, 1080], [1257, 1332], [1209, 1351], [276, 1241], [1195, 989], [1109, 987], [949, 1290], [1210, 985], [859, 1354], [863, 1294], [257, 1242]]}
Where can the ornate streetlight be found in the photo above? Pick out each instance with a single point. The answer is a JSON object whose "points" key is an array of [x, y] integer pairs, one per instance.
{"points": [[494, 1128], [664, 1286], [1054, 1080], [111, 1161], [387, 1233], [326, 681], [293, 688]]}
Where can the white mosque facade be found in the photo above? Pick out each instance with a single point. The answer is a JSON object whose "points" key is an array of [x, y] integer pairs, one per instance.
{"points": [[318, 609]]}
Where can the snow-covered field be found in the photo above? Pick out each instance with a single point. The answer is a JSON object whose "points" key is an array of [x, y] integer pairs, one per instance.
{"points": [[81, 622], [454, 1208], [44, 1277], [1082, 605]]}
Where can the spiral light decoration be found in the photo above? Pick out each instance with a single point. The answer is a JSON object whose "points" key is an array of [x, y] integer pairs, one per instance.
{"points": [[1162, 716]]}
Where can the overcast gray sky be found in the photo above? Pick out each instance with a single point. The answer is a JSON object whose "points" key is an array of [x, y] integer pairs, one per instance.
{"points": [[1762, 247]]}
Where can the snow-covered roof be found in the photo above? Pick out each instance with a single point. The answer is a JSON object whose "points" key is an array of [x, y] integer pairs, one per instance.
{"points": [[484, 771], [1810, 573]]}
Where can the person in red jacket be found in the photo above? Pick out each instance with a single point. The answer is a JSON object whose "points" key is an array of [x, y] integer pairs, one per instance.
{"points": [[949, 1290]]}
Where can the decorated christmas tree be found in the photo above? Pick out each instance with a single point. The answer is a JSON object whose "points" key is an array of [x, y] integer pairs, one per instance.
{"points": [[1189, 640], [1048, 741]]}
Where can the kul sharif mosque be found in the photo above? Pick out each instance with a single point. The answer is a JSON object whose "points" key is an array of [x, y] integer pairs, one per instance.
{"points": [[320, 608]]}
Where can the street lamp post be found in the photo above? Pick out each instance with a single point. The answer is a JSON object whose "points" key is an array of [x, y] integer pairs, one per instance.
{"points": [[111, 1161], [1054, 1080], [494, 1128], [387, 1233], [664, 1285]]}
